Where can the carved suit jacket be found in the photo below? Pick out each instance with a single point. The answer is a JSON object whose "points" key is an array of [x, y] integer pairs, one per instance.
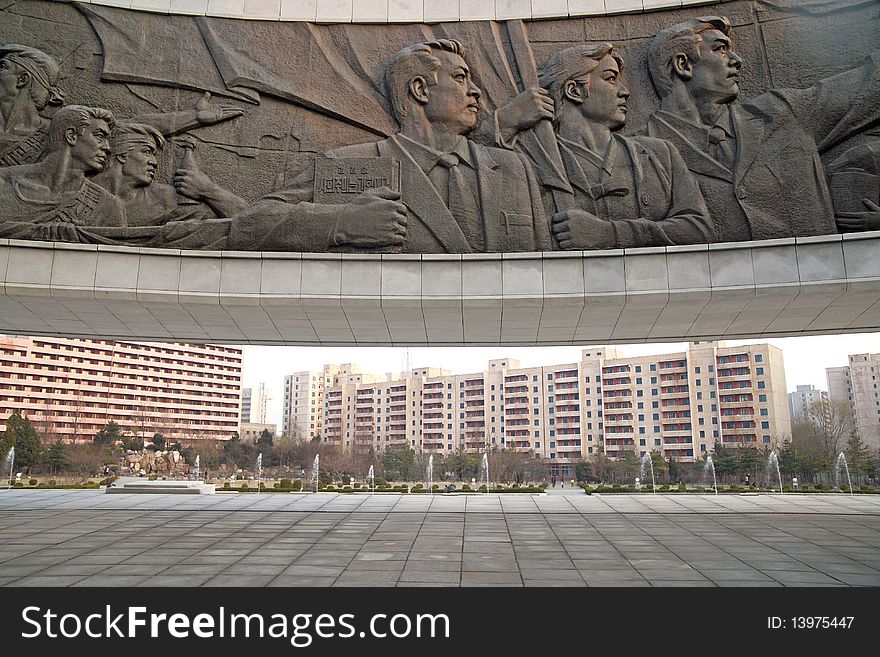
{"points": [[777, 186], [509, 198], [667, 207]]}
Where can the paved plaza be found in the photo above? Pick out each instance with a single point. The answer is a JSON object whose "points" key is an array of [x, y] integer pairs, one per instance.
{"points": [[88, 538]]}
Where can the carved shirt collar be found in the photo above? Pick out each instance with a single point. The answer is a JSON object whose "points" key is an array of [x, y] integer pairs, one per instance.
{"points": [[698, 133], [605, 163], [427, 158]]}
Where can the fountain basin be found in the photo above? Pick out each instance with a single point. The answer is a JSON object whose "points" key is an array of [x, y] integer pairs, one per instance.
{"points": [[163, 488]]}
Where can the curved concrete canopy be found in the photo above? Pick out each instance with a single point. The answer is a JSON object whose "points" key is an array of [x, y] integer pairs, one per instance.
{"points": [[815, 285], [396, 11]]}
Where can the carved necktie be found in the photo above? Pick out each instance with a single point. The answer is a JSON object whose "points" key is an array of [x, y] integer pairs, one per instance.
{"points": [[721, 146], [462, 202]]}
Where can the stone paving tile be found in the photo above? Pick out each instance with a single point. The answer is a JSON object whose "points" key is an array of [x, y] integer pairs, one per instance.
{"points": [[238, 580], [409, 575], [111, 580], [495, 579], [293, 581]]}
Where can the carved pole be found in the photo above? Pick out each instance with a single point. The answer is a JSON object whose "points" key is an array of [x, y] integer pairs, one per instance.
{"points": [[540, 141]]}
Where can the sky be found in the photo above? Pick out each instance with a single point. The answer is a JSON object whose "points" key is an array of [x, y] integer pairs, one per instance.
{"points": [[805, 359]]}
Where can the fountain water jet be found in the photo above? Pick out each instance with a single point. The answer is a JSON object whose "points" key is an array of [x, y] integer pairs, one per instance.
{"points": [[710, 465], [259, 469], [315, 468], [371, 480], [429, 474], [646, 460], [484, 469], [197, 467], [842, 459], [10, 462], [773, 462]]}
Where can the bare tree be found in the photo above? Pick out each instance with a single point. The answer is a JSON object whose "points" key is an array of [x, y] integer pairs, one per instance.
{"points": [[825, 429]]}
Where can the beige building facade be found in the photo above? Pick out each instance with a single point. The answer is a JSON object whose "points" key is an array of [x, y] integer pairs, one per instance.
{"points": [[70, 388], [857, 384], [680, 404]]}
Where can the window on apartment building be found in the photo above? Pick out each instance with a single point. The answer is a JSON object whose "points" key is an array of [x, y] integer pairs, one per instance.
{"points": [[656, 428], [641, 417], [655, 416], [537, 445], [655, 404], [534, 377], [766, 439], [653, 367], [656, 441], [641, 442], [537, 423], [535, 402], [765, 424], [699, 382], [640, 404], [640, 393], [589, 450], [715, 433], [653, 392], [764, 411], [758, 358], [552, 432], [761, 385], [759, 371]]}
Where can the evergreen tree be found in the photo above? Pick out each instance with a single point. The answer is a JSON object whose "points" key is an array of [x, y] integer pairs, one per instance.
{"points": [[858, 457], [21, 434], [108, 435], [56, 456]]}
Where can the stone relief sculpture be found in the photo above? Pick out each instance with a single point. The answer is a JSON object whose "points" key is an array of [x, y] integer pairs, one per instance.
{"points": [[481, 137], [28, 84], [757, 162], [456, 196], [627, 191], [130, 176], [854, 178], [56, 198]]}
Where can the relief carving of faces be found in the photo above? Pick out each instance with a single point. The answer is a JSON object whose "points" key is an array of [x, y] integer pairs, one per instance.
{"points": [[10, 75], [91, 149], [454, 102], [605, 102], [716, 74], [140, 162]]}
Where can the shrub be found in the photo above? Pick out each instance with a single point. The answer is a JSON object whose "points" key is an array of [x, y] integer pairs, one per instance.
{"points": [[357, 484], [17, 484], [329, 487], [466, 487], [380, 483], [285, 483], [32, 482], [482, 488], [52, 482], [244, 487], [226, 484], [297, 484], [152, 478]]}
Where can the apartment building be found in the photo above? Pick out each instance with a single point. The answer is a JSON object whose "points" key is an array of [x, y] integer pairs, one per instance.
{"points": [[70, 388], [857, 384], [256, 404], [802, 399], [302, 412], [679, 404]]}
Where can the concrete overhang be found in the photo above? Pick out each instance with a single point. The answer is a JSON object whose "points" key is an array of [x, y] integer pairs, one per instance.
{"points": [[774, 288]]}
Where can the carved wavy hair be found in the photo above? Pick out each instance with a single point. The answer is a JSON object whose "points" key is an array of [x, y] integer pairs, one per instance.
{"points": [[411, 62], [43, 69], [75, 116], [127, 135], [681, 38], [573, 63]]}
